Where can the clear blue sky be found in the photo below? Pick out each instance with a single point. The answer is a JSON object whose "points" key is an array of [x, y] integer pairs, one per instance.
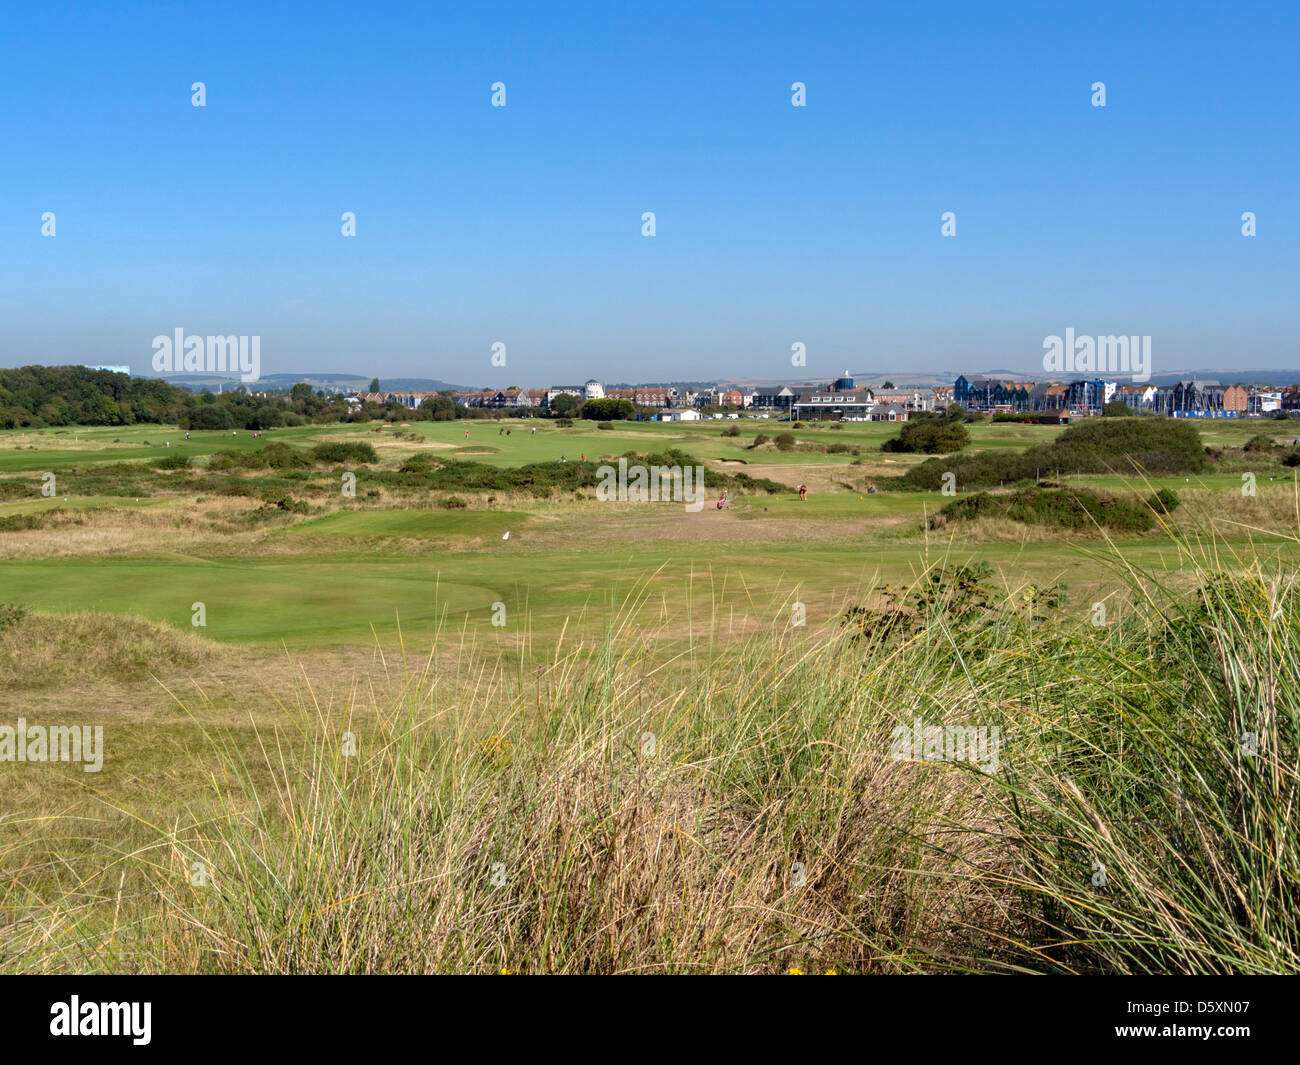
{"points": [[775, 224]]}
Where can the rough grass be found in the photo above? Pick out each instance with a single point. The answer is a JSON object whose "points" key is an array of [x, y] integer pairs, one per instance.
{"points": [[740, 809], [44, 650]]}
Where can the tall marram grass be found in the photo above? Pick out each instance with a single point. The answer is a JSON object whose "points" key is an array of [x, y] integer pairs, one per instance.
{"points": [[734, 807]]}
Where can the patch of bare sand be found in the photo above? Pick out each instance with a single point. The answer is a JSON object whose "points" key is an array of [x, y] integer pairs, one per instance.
{"points": [[819, 477]]}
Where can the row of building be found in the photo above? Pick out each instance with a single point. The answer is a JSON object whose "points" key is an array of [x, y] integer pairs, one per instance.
{"points": [[842, 399], [1191, 398], [839, 399]]}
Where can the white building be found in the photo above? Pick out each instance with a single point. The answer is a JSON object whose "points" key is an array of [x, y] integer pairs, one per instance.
{"points": [[594, 390], [683, 415]]}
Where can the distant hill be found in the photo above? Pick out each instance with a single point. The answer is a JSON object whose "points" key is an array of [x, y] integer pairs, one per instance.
{"points": [[268, 382], [312, 378], [416, 384], [327, 380]]}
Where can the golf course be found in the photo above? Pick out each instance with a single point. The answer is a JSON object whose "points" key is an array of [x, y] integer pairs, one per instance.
{"points": [[581, 734]]}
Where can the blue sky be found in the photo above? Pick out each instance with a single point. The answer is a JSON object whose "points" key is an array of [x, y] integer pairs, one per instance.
{"points": [[775, 224]]}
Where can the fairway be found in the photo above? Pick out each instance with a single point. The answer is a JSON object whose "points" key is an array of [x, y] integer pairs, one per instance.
{"points": [[413, 524], [334, 570]]}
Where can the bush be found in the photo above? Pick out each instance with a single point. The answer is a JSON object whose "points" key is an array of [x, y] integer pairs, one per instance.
{"points": [[1164, 501], [274, 456], [798, 425], [171, 462], [929, 436], [1114, 445], [604, 425], [339, 453], [208, 416], [731, 430], [564, 423], [785, 442], [603, 410], [1079, 509], [417, 464], [759, 440], [454, 503]]}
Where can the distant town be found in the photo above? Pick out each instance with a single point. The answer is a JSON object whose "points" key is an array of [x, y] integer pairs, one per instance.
{"points": [[842, 399], [1047, 402]]}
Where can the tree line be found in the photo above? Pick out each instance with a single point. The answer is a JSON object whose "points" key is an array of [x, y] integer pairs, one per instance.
{"points": [[40, 397]]}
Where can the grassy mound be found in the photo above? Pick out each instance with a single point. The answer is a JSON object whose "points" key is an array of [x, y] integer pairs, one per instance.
{"points": [[1075, 509], [545, 478], [34, 648]]}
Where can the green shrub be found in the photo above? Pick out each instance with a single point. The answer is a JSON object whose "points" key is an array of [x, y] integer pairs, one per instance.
{"points": [[453, 503], [1165, 501], [929, 436], [273, 456], [604, 425], [1101, 445], [731, 430], [1079, 509], [207, 416], [338, 453], [603, 410], [785, 442]]}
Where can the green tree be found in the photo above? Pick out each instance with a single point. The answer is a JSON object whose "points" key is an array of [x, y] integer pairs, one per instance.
{"points": [[605, 410], [440, 408], [208, 416], [929, 436], [374, 385], [566, 405]]}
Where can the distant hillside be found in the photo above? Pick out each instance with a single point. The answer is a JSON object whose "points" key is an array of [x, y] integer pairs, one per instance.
{"points": [[416, 384], [268, 383], [1233, 375], [327, 380]]}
